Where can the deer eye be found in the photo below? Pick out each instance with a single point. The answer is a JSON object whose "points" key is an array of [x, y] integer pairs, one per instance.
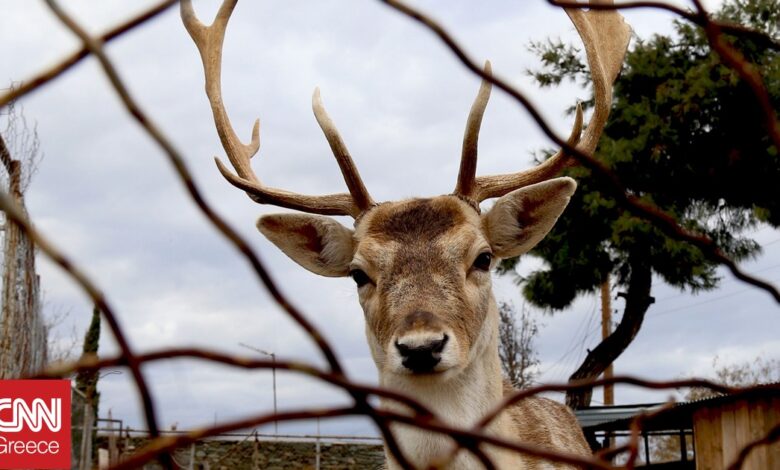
{"points": [[360, 277], [483, 261]]}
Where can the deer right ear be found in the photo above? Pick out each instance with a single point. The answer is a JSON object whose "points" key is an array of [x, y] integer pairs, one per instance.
{"points": [[520, 219], [319, 244]]}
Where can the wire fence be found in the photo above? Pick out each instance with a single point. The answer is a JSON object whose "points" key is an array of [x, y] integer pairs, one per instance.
{"points": [[474, 440]]}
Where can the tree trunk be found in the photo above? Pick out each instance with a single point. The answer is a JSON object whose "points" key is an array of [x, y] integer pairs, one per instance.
{"points": [[638, 300]]}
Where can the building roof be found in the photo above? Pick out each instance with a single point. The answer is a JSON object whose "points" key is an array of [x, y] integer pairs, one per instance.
{"points": [[679, 416], [597, 416]]}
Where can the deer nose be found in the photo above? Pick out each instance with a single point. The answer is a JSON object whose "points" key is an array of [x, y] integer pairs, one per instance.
{"points": [[421, 357]]}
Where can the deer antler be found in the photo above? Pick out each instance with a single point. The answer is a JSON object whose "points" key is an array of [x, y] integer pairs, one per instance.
{"points": [[209, 40], [606, 37]]}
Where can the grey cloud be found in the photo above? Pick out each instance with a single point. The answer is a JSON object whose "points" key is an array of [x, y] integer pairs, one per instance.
{"points": [[106, 194]]}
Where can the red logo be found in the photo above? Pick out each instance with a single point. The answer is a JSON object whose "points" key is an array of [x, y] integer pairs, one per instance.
{"points": [[34, 424]]}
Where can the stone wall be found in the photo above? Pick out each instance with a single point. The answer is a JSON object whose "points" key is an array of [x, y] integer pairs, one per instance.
{"points": [[274, 455]]}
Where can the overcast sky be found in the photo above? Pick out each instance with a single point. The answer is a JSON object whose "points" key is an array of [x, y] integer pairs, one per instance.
{"points": [[105, 194]]}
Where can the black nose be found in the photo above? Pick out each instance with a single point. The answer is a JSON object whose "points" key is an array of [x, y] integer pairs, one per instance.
{"points": [[422, 359]]}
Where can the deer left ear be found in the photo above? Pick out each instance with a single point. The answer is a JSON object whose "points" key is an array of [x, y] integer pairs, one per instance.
{"points": [[520, 219], [319, 244]]}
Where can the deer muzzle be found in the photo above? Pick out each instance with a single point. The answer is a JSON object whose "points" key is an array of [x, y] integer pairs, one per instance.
{"points": [[421, 343]]}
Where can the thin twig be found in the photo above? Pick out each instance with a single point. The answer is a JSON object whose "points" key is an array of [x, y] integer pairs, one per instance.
{"points": [[175, 158], [42, 78], [166, 444], [636, 426], [422, 417], [661, 220], [693, 17], [91, 364], [746, 70], [15, 214], [467, 438], [770, 438], [96, 48], [618, 379]]}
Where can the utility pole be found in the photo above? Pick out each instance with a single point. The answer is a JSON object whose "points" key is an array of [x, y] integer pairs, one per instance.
{"points": [[606, 330], [273, 375]]}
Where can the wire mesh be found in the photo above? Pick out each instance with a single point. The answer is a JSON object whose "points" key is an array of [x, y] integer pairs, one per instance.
{"points": [[473, 440]]}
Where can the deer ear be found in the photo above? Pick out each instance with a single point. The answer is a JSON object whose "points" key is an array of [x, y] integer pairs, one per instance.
{"points": [[319, 244], [520, 219]]}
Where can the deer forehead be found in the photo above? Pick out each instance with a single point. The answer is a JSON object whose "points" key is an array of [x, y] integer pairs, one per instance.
{"points": [[432, 232], [419, 250]]}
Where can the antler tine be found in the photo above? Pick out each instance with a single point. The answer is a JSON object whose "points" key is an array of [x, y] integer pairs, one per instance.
{"points": [[605, 36], [468, 158], [209, 40], [491, 186], [348, 169]]}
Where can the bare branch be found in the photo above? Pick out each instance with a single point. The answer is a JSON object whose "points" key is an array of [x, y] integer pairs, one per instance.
{"points": [[12, 211], [419, 416], [209, 40], [771, 437], [162, 445], [693, 17], [665, 222], [44, 77], [177, 161]]}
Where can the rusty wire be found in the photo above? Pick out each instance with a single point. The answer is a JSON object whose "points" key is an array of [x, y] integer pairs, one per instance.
{"points": [[423, 418], [665, 222], [45, 76], [698, 18], [771, 437], [16, 215], [715, 31], [636, 431], [95, 47], [746, 70], [469, 439]]}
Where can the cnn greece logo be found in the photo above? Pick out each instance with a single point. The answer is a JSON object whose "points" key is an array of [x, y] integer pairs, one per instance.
{"points": [[34, 424], [35, 417]]}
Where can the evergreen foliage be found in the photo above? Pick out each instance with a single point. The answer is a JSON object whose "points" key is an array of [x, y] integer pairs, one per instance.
{"points": [[86, 381], [685, 134]]}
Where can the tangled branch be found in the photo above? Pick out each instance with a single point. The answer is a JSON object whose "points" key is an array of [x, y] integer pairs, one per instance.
{"points": [[420, 416], [665, 222]]}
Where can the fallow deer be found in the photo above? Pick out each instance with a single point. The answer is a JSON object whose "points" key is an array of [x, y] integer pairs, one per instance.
{"points": [[422, 266]]}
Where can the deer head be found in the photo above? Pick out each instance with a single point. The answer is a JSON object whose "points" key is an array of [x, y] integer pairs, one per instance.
{"points": [[421, 266]]}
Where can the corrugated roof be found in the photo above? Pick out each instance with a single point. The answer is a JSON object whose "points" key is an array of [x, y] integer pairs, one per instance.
{"points": [[599, 415], [616, 418]]}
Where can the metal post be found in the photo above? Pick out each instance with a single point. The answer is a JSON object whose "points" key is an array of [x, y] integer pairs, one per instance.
{"points": [[272, 355], [606, 330], [85, 459], [273, 377], [113, 454], [317, 460]]}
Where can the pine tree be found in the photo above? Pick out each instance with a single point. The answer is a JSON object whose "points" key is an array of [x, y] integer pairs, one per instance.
{"points": [[685, 134], [86, 381]]}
